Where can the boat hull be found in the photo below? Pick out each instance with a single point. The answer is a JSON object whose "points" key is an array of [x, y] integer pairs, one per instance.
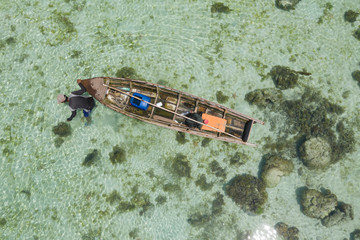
{"points": [[167, 107]]}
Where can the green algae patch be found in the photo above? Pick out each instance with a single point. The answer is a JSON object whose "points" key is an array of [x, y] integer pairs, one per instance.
{"points": [[217, 169], [326, 13], [2, 222], [126, 72], [169, 187], [118, 155], [221, 98], [219, 8], [62, 129], [284, 77], [181, 166], [198, 219], [75, 54], [91, 158], [203, 184], [160, 200], [217, 204]]}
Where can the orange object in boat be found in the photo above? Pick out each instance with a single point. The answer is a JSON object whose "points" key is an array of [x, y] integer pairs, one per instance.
{"points": [[215, 122]]}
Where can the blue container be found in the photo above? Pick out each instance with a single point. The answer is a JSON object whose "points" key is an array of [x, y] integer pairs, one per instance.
{"points": [[140, 104]]}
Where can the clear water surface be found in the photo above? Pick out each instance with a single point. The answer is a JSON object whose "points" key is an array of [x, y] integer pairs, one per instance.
{"points": [[46, 192]]}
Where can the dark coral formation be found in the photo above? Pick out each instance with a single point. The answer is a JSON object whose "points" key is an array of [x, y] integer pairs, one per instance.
{"points": [[62, 129], [284, 77], [286, 232], [286, 4], [350, 16], [91, 158], [248, 192], [219, 8], [316, 204], [118, 155], [324, 206], [265, 98]]}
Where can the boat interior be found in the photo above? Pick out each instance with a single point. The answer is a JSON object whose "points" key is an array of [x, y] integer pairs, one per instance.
{"points": [[169, 107]]}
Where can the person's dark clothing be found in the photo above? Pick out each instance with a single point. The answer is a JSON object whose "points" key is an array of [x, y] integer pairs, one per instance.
{"points": [[76, 101], [193, 124]]}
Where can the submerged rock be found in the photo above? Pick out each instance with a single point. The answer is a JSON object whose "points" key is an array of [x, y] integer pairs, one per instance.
{"points": [[274, 168], [316, 153], [286, 4], [350, 16], [265, 98], [248, 192], [316, 204], [284, 77], [62, 129], [343, 212], [286, 232]]}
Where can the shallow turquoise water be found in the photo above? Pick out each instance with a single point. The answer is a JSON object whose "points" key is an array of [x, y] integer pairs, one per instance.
{"points": [[45, 46]]}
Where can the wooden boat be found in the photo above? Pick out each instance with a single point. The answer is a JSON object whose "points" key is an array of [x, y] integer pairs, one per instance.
{"points": [[167, 107]]}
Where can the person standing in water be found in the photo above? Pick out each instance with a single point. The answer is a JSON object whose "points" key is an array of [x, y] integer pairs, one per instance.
{"points": [[77, 101]]}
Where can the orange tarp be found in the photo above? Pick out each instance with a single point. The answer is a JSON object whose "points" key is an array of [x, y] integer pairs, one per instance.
{"points": [[215, 122]]}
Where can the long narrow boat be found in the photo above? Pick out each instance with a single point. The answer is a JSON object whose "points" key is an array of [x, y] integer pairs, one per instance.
{"points": [[167, 107]]}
